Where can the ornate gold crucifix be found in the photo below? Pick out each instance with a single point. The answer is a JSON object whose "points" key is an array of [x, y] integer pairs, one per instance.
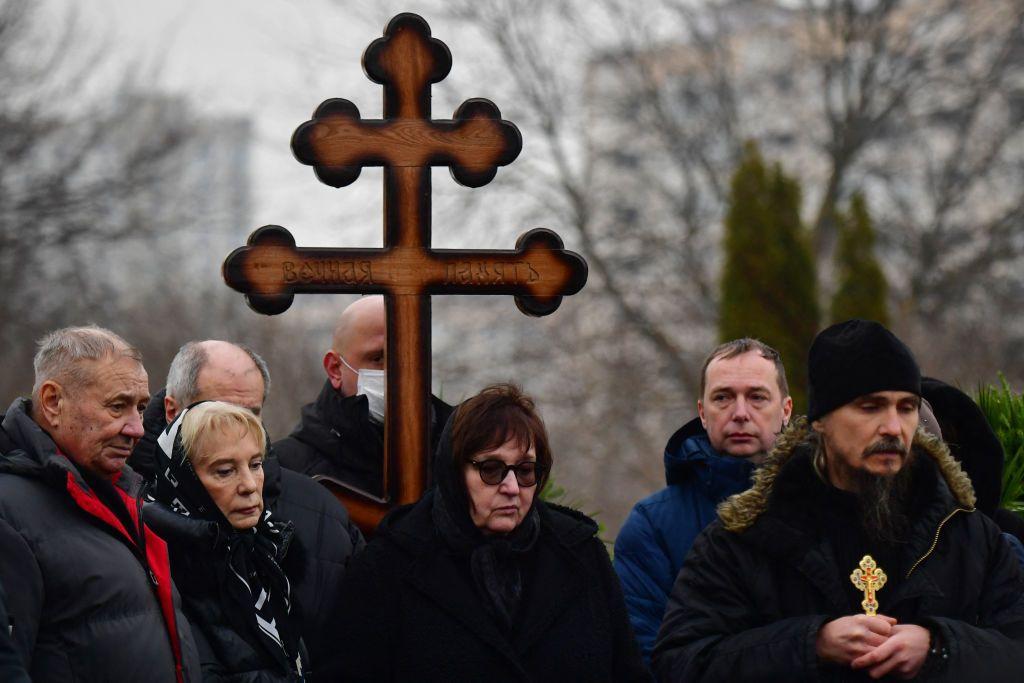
{"points": [[868, 578], [407, 142]]}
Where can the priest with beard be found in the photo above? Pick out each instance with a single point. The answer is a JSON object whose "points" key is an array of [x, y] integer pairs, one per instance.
{"points": [[858, 553]]}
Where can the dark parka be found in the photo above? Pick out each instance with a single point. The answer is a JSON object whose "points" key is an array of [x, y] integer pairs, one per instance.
{"points": [[89, 599], [759, 584], [325, 540], [412, 612], [337, 439]]}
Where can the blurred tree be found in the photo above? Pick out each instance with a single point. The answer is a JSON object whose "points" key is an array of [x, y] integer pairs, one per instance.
{"points": [[861, 291], [634, 114], [768, 280], [68, 165], [108, 214]]}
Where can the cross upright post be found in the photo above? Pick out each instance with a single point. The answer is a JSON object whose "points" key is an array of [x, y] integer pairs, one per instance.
{"points": [[271, 269]]}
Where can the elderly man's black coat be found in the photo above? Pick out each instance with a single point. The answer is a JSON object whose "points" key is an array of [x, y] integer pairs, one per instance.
{"points": [[11, 669], [90, 597], [759, 583], [412, 612]]}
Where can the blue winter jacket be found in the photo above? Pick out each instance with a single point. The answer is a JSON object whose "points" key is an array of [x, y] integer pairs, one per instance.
{"points": [[658, 533]]}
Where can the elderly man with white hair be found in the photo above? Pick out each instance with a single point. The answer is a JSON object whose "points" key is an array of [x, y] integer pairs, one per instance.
{"points": [[89, 594]]}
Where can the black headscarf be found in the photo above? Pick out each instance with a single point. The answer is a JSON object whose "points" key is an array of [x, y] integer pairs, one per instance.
{"points": [[496, 562], [254, 591]]}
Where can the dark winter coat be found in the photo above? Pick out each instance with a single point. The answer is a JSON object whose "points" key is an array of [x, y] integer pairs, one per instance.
{"points": [[12, 669], [658, 533], [228, 653], [412, 612], [90, 599], [972, 441], [336, 438], [325, 540], [759, 584]]}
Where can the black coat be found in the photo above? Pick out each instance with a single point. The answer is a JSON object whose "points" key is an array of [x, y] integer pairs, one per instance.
{"points": [[90, 599], [336, 438], [412, 612], [11, 666], [760, 582], [325, 540], [228, 653]]}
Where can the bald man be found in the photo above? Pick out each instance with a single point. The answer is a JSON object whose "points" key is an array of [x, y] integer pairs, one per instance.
{"points": [[341, 433]]}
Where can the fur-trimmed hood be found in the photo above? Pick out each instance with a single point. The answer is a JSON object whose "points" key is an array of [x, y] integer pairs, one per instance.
{"points": [[740, 511]]}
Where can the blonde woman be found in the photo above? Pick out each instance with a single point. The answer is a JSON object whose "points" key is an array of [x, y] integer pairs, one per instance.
{"points": [[226, 552]]}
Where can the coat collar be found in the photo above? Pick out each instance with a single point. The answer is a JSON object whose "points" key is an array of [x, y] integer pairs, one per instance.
{"points": [[690, 457], [551, 589], [740, 511], [328, 419]]}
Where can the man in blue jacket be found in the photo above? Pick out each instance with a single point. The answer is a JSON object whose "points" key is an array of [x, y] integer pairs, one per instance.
{"points": [[744, 404]]}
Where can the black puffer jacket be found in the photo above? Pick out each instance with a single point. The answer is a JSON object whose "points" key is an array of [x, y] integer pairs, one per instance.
{"points": [[325, 540], [227, 654], [90, 600], [759, 584], [336, 438], [11, 668]]}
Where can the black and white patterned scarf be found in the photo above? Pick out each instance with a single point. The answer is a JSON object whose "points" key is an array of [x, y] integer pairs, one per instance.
{"points": [[255, 592]]}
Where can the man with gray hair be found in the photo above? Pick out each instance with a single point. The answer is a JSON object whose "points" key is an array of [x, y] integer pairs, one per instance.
{"points": [[88, 583], [325, 539]]}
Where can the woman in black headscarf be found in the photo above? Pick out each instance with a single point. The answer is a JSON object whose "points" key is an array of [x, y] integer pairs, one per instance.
{"points": [[481, 580], [224, 547]]}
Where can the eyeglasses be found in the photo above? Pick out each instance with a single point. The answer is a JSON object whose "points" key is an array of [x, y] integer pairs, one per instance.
{"points": [[493, 472]]}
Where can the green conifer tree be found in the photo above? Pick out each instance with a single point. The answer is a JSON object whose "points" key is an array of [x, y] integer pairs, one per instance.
{"points": [[861, 290], [768, 279]]}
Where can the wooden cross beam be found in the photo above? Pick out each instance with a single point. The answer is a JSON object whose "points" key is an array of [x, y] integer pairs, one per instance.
{"points": [[338, 143]]}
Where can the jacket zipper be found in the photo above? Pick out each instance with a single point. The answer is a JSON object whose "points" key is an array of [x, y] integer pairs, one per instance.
{"points": [[935, 541]]}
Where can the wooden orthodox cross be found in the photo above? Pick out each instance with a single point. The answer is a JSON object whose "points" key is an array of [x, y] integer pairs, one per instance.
{"points": [[337, 143]]}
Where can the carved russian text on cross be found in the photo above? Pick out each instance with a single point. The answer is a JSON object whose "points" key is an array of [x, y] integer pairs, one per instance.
{"points": [[330, 272]]}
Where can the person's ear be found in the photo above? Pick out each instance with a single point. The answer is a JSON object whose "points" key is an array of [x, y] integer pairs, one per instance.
{"points": [[700, 414], [333, 368], [787, 410], [171, 408], [51, 401], [818, 426]]}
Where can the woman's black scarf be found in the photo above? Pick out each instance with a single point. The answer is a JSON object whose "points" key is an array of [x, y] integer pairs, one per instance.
{"points": [[254, 592], [495, 562]]}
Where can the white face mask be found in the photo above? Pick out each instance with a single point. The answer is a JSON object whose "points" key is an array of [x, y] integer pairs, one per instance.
{"points": [[372, 384]]}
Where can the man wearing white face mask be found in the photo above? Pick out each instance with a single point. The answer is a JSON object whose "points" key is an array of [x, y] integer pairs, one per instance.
{"points": [[341, 433]]}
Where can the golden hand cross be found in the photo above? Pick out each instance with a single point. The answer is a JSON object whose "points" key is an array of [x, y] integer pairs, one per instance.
{"points": [[868, 578]]}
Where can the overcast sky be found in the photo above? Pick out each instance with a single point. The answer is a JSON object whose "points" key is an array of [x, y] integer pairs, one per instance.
{"points": [[274, 61]]}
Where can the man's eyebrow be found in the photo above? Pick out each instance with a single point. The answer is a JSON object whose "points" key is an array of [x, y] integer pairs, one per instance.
{"points": [[127, 396]]}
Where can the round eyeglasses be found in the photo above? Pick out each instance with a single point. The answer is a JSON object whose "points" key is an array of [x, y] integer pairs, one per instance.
{"points": [[493, 472]]}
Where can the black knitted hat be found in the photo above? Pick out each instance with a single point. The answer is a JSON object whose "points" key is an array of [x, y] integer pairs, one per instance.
{"points": [[853, 358]]}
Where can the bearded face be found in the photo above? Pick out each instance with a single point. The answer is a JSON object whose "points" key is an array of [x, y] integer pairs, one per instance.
{"points": [[866, 445]]}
